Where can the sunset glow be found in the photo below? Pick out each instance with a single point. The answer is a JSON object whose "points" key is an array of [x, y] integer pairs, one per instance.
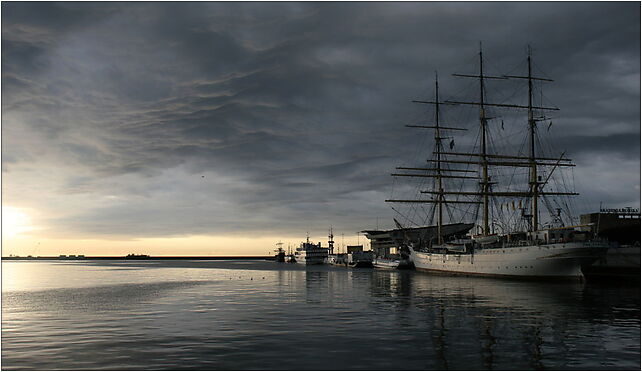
{"points": [[15, 221]]}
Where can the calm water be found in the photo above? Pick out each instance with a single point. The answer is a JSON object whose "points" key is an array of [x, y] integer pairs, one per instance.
{"points": [[267, 315]]}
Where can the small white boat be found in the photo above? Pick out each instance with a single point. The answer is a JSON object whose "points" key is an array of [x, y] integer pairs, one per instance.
{"points": [[485, 239], [386, 263]]}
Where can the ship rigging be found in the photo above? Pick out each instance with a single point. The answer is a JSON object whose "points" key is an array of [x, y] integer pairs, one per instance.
{"points": [[526, 230]]}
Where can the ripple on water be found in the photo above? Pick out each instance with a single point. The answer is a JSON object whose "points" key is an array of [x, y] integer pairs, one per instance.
{"points": [[263, 315]]}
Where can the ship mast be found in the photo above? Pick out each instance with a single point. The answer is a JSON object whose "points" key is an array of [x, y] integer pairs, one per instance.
{"points": [[440, 196], [531, 126], [437, 170], [482, 150], [484, 158], [534, 184]]}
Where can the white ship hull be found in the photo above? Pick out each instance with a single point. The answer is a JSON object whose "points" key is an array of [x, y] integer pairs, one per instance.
{"points": [[561, 260]]}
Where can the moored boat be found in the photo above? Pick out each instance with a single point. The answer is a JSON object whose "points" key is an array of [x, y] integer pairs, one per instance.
{"points": [[310, 254], [386, 263], [280, 253], [528, 257], [512, 243]]}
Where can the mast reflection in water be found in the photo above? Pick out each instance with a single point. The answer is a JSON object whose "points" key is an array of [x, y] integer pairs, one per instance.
{"points": [[266, 315]]}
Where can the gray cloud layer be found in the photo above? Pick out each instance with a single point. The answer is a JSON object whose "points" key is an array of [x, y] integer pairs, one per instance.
{"points": [[154, 119]]}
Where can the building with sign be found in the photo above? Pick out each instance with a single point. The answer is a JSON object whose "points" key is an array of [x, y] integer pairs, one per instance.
{"points": [[617, 225]]}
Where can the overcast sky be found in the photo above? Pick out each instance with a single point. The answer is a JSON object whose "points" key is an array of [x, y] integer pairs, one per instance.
{"points": [[130, 120]]}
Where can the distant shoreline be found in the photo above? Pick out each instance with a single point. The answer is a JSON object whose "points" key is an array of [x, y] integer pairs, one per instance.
{"points": [[147, 258]]}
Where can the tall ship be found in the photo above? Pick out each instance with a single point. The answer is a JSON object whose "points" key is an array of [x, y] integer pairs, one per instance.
{"points": [[501, 193], [310, 254]]}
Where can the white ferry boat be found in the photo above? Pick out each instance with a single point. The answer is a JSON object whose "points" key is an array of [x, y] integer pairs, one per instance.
{"points": [[311, 254]]}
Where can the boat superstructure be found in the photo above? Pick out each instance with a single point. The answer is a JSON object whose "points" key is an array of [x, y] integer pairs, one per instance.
{"points": [[310, 254], [504, 242]]}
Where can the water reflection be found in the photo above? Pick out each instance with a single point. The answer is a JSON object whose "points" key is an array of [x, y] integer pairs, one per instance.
{"points": [[510, 324], [271, 316]]}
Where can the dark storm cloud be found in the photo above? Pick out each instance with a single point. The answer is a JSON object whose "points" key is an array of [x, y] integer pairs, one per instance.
{"points": [[205, 118]]}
